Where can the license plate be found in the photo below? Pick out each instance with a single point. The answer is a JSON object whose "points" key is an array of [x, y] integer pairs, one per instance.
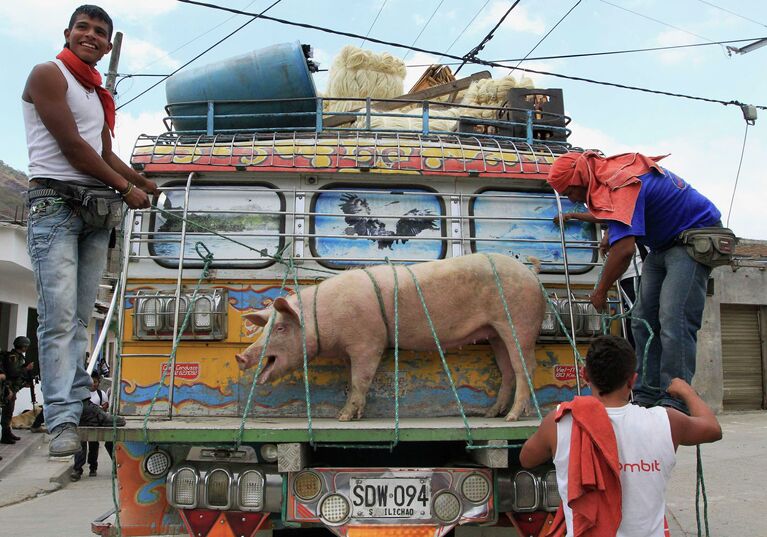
{"points": [[408, 498]]}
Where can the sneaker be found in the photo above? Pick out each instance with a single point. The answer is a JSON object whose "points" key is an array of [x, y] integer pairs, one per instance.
{"points": [[75, 475], [17, 438], [95, 416], [92, 473], [7, 440], [64, 441]]}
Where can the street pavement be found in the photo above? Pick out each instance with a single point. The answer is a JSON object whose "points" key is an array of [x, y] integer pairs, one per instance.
{"points": [[37, 498]]}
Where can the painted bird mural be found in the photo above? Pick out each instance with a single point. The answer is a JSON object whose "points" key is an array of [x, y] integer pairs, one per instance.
{"points": [[360, 223]]}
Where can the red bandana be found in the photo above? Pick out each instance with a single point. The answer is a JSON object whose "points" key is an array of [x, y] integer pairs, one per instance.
{"points": [[89, 77]]}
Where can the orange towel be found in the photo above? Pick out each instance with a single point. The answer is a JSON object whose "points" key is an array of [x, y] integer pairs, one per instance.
{"points": [[593, 477], [612, 183]]}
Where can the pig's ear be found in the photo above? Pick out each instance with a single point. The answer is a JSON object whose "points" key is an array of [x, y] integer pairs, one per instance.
{"points": [[284, 307], [259, 318]]}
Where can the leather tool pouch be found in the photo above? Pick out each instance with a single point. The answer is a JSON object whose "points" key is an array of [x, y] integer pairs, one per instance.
{"points": [[711, 246], [98, 207]]}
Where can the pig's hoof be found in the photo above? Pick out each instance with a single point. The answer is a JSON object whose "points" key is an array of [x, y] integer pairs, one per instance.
{"points": [[350, 414], [494, 411], [512, 416]]}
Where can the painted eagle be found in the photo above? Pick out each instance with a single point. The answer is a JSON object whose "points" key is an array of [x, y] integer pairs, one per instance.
{"points": [[360, 223]]}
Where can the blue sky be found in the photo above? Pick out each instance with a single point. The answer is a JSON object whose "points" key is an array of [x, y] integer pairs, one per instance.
{"points": [[704, 139]]}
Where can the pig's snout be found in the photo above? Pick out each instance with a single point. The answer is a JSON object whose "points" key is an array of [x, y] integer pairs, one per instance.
{"points": [[243, 362]]}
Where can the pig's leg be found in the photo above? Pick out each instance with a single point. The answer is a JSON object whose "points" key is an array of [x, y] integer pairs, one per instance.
{"points": [[507, 378], [363, 369], [522, 392]]}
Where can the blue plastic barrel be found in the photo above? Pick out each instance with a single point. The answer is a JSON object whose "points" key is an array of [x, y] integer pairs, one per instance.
{"points": [[276, 72]]}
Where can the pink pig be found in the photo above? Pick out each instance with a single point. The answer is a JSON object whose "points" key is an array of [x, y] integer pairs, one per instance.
{"points": [[462, 297]]}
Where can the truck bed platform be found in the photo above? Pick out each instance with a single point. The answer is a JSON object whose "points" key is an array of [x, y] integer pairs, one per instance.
{"points": [[224, 430]]}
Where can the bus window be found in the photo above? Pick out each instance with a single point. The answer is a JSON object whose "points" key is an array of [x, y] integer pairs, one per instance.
{"points": [[520, 224], [354, 226], [252, 215]]}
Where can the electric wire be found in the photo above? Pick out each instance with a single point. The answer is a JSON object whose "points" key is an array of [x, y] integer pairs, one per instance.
{"points": [[732, 12], [465, 28], [383, 5], [655, 20], [737, 175], [424, 27], [605, 53], [542, 39], [473, 52], [475, 60], [200, 36], [214, 45]]}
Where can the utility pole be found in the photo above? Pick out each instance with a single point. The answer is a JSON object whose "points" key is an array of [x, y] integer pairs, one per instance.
{"points": [[114, 59]]}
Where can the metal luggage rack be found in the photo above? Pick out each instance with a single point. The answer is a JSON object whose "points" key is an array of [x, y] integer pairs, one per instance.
{"points": [[537, 126], [363, 151]]}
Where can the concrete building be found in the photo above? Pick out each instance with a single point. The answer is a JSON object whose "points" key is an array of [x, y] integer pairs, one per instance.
{"points": [[732, 343], [18, 302]]}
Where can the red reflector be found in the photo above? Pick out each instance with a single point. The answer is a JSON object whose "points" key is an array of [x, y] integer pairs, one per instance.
{"points": [[529, 524], [246, 524], [198, 521]]}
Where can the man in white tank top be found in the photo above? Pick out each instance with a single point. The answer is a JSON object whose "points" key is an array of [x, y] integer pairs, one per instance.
{"points": [[646, 438], [68, 118]]}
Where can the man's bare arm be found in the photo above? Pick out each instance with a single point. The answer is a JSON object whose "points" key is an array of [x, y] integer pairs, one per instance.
{"points": [[147, 185], [621, 253], [540, 447], [46, 89], [700, 427]]}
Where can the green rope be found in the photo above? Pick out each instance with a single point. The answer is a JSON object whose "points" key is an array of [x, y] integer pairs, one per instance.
{"points": [[305, 355], [469, 439], [380, 299], [207, 260], [251, 394], [700, 487], [514, 335], [396, 353]]}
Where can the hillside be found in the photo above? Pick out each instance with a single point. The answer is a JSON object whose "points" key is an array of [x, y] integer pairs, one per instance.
{"points": [[13, 185]]}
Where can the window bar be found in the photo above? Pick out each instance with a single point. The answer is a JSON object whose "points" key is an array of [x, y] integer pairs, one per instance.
{"points": [[178, 292], [569, 292]]}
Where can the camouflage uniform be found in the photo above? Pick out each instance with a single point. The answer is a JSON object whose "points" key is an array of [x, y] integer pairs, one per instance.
{"points": [[13, 364]]}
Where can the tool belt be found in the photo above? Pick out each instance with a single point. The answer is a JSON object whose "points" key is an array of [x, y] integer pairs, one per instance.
{"points": [[98, 207], [711, 246]]}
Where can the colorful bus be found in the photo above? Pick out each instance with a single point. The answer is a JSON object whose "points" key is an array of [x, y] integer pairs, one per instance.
{"points": [[249, 215]]}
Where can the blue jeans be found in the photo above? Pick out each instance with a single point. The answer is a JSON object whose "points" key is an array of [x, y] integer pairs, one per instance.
{"points": [[671, 299], [68, 259]]}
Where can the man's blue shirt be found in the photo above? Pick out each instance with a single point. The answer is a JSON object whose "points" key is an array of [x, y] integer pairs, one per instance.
{"points": [[665, 207]]}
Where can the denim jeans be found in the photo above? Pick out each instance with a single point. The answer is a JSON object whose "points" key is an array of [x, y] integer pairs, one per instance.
{"points": [[68, 258], [671, 299]]}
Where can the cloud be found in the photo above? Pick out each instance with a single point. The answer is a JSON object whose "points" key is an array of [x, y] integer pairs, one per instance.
{"points": [[671, 38], [136, 54], [519, 20], [129, 127], [710, 165], [43, 18]]}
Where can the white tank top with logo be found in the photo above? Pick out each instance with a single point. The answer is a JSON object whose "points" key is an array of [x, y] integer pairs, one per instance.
{"points": [[45, 157], [646, 455]]}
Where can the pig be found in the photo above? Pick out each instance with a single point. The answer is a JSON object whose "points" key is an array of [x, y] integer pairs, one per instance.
{"points": [[462, 298]]}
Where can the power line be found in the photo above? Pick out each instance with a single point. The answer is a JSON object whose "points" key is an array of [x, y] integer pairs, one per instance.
{"points": [[383, 5], [475, 60], [465, 28], [737, 176], [424, 27], [200, 36], [542, 39], [655, 20], [123, 76], [473, 52], [732, 12], [254, 15]]}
